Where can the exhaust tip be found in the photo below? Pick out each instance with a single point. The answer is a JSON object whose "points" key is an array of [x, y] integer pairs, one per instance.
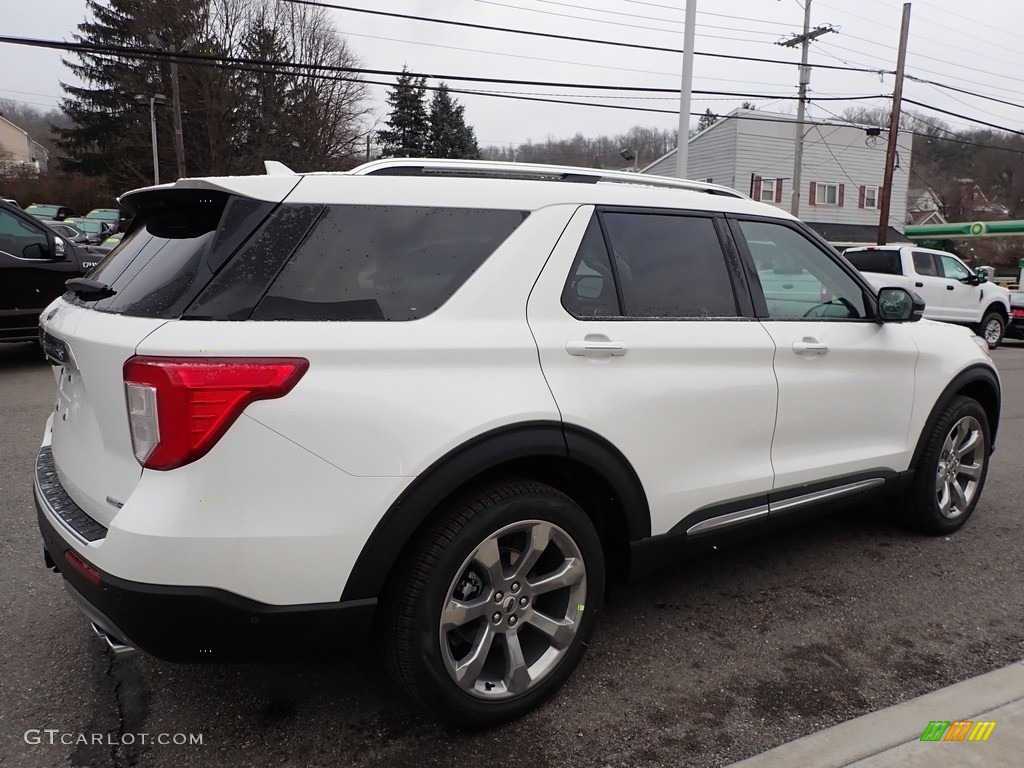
{"points": [[117, 647]]}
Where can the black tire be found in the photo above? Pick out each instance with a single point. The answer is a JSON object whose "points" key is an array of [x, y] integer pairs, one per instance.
{"points": [[951, 472], [445, 580], [992, 328]]}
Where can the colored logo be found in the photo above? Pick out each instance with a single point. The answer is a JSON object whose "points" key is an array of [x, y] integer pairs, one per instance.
{"points": [[958, 730]]}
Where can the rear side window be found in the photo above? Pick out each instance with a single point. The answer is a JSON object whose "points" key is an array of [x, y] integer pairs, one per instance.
{"points": [[384, 262], [179, 239], [924, 263], [670, 266], [886, 262]]}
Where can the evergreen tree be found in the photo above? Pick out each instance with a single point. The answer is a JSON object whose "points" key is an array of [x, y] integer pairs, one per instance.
{"points": [[450, 136], [408, 124], [706, 120]]}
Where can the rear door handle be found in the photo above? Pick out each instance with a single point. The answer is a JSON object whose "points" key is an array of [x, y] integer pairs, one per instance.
{"points": [[919, 285], [949, 287], [594, 347], [808, 344]]}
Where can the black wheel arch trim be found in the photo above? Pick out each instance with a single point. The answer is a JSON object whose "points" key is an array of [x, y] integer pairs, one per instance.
{"points": [[978, 373], [473, 459]]}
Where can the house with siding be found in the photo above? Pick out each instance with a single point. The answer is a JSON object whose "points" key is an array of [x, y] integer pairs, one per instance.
{"points": [[843, 169], [18, 152]]}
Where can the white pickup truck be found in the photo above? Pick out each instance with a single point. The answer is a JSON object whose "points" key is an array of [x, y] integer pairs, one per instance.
{"points": [[952, 291]]}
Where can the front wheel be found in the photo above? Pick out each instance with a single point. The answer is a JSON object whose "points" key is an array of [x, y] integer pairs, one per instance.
{"points": [[992, 328], [494, 612], [951, 472]]}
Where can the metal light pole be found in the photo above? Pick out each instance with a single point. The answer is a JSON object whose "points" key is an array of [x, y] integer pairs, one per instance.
{"points": [[153, 102], [686, 89]]}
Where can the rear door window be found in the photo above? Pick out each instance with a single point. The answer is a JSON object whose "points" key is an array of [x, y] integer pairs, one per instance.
{"points": [[384, 262], [669, 266], [884, 261]]}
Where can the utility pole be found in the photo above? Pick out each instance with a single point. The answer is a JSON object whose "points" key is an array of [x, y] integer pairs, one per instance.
{"points": [[686, 89], [805, 78], [179, 139], [154, 101], [894, 129]]}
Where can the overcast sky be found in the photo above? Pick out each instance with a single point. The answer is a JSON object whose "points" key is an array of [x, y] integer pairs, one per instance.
{"points": [[973, 46]]}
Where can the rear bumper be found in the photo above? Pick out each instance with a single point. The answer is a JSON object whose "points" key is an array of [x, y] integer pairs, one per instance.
{"points": [[190, 624]]}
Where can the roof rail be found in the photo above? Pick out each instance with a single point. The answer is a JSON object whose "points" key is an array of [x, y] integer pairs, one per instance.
{"points": [[403, 166]]}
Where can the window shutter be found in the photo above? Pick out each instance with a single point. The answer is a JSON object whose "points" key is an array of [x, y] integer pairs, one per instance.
{"points": [[860, 196], [778, 190], [839, 200], [811, 194], [757, 187]]}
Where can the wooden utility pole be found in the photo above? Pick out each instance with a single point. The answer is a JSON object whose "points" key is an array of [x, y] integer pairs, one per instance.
{"points": [[179, 139], [803, 41], [894, 129]]}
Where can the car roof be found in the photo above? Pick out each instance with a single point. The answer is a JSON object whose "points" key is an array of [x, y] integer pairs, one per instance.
{"points": [[474, 184]]}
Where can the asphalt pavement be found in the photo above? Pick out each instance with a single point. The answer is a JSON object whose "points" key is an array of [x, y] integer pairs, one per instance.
{"points": [[721, 659]]}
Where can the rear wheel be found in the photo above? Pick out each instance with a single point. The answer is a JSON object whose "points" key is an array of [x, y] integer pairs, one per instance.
{"points": [[992, 328], [494, 612], [951, 472]]}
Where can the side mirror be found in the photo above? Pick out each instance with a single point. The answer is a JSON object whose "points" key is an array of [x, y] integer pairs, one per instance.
{"points": [[973, 280], [898, 305], [982, 277]]}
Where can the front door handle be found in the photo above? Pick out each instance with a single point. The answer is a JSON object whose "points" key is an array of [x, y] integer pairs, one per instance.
{"points": [[595, 347], [810, 345], [919, 285], [949, 287]]}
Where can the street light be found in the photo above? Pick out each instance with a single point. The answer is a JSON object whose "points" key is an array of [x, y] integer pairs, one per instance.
{"points": [[179, 142], [153, 102]]}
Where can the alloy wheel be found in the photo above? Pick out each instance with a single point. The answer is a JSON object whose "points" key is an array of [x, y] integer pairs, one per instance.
{"points": [[960, 467]]}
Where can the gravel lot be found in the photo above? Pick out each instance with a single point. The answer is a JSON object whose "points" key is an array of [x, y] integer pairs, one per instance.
{"points": [[720, 658]]}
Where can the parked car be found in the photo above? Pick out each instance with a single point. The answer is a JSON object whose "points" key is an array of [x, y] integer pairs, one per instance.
{"points": [[115, 218], [34, 264], [1015, 330], [67, 231], [447, 401], [952, 291], [47, 211], [95, 230], [108, 244]]}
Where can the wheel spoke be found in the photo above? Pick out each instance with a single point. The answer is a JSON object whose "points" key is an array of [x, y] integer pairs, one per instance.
{"points": [[971, 442], [488, 557], [517, 676], [959, 496], [469, 668], [458, 613], [570, 573], [945, 497], [560, 633], [540, 537], [972, 471]]}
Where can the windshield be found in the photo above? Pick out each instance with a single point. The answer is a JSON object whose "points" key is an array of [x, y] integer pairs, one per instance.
{"points": [[92, 227], [42, 210], [107, 214]]}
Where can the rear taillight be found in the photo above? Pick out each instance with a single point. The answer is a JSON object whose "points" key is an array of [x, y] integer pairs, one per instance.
{"points": [[179, 407], [1015, 312]]}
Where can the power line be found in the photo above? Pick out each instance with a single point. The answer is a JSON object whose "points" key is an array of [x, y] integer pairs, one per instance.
{"points": [[555, 36], [964, 117]]}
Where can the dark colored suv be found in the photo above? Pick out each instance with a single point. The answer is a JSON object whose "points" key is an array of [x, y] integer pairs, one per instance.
{"points": [[34, 263]]}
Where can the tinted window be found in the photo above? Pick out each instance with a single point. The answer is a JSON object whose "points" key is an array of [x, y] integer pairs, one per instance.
{"points": [[887, 262], [670, 266], [798, 279], [16, 234], [924, 263], [163, 262], [384, 262], [590, 289]]}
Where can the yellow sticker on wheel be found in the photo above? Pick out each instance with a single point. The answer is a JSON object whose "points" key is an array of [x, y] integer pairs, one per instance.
{"points": [[580, 607]]}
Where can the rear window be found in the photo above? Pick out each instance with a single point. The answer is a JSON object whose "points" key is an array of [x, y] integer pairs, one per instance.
{"points": [[384, 262], [886, 261], [178, 241]]}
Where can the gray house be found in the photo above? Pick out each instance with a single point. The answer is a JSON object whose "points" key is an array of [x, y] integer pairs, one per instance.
{"points": [[843, 169]]}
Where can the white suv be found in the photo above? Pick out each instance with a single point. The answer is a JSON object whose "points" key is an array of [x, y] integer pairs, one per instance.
{"points": [[446, 402]]}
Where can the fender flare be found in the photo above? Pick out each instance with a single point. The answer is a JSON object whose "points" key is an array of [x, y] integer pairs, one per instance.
{"points": [[485, 452], [978, 374]]}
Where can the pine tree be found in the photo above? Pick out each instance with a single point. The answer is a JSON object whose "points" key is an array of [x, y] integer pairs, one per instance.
{"points": [[408, 124], [450, 136], [706, 120]]}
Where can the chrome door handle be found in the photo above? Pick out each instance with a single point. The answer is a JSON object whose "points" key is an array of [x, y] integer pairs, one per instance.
{"points": [[807, 344], [590, 347]]}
